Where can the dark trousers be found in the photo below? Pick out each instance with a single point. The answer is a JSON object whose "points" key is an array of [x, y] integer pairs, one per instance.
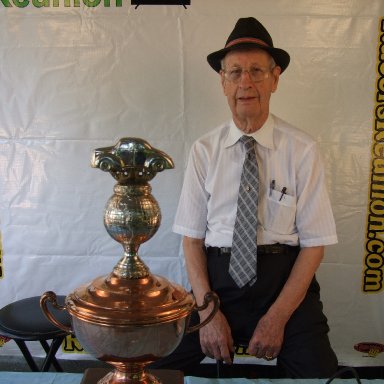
{"points": [[306, 351]]}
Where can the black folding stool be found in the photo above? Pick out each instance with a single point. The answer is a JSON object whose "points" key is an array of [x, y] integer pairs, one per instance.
{"points": [[23, 320]]}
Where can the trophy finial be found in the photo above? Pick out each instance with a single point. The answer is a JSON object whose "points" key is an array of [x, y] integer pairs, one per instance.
{"points": [[131, 161]]}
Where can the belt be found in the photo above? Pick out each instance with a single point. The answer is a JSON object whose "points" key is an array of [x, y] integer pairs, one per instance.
{"points": [[261, 249]]}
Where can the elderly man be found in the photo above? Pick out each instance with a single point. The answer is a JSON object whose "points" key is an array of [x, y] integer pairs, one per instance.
{"points": [[255, 217]]}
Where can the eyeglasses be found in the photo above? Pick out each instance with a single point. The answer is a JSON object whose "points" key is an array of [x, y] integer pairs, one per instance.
{"points": [[256, 74]]}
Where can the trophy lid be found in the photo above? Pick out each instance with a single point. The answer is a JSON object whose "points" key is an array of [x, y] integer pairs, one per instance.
{"points": [[112, 300]]}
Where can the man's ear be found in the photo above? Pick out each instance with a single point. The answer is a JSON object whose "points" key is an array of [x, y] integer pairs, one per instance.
{"points": [[223, 82], [276, 71]]}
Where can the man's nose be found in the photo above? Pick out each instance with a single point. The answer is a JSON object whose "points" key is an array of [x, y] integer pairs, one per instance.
{"points": [[245, 78]]}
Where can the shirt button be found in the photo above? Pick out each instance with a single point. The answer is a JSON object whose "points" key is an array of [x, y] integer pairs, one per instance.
{"points": [[247, 188]]}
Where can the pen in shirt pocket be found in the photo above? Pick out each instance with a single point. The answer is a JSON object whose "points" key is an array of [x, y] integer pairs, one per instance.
{"points": [[272, 186], [283, 192]]}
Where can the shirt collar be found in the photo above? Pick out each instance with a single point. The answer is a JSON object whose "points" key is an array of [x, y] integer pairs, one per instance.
{"points": [[263, 136]]}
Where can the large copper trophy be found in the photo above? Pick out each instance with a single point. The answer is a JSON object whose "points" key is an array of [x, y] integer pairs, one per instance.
{"points": [[130, 318]]}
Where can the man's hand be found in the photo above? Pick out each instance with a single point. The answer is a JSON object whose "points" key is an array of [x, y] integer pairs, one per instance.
{"points": [[216, 339], [267, 338]]}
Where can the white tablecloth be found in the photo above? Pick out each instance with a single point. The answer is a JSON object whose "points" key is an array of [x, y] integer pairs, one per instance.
{"points": [[75, 378]]}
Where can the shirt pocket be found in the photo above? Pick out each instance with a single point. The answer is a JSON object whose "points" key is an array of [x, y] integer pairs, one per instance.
{"points": [[280, 213]]}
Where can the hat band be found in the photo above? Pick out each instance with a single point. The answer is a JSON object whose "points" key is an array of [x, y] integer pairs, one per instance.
{"points": [[246, 40]]}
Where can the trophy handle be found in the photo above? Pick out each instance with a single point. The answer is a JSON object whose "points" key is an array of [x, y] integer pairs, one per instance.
{"points": [[209, 297], [52, 298]]}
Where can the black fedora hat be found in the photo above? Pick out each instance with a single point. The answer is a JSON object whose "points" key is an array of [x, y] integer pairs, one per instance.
{"points": [[249, 33]]}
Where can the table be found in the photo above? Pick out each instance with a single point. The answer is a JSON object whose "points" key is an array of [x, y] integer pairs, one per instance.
{"points": [[40, 378], [199, 380], [75, 378]]}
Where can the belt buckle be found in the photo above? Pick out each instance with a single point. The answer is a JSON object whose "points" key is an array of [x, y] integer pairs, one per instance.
{"points": [[225, 250], [277, 248]]}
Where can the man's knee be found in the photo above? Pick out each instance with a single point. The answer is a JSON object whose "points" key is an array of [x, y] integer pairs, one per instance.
{"points": [[314, 359]]}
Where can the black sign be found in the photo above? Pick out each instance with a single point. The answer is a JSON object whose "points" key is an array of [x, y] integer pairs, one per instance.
{"points": [[184, 3]]}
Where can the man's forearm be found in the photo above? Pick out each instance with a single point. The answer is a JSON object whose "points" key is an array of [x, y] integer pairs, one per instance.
{"points": [[300, 278], [215, 337], [268, 336], [196, 264]]}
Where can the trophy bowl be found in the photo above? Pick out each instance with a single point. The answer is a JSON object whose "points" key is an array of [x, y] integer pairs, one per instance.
{"points": [[130, 317], [129, 328]]}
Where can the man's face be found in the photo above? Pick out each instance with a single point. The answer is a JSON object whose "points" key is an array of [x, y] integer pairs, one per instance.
{"points": [[249, 99]]}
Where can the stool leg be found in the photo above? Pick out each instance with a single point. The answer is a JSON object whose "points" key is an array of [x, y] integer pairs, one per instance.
{"points": [[27, 355], [219, 364], [51, 352]]}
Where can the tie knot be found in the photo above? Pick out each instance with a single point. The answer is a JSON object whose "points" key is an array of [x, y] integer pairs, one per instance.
{"points": [[249, 142]]}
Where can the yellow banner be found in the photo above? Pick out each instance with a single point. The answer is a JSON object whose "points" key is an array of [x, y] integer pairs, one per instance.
{"points": [[374, 248]]}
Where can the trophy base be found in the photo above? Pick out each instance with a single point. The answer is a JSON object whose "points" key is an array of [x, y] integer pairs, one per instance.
{"points": [[153, 376]]}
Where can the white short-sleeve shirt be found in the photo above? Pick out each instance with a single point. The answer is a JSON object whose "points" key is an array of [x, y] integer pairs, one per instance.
{"points": [[287, 158]]}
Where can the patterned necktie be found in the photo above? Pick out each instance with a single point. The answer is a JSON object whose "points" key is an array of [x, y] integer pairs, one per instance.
{"points": [[242, 266]]}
